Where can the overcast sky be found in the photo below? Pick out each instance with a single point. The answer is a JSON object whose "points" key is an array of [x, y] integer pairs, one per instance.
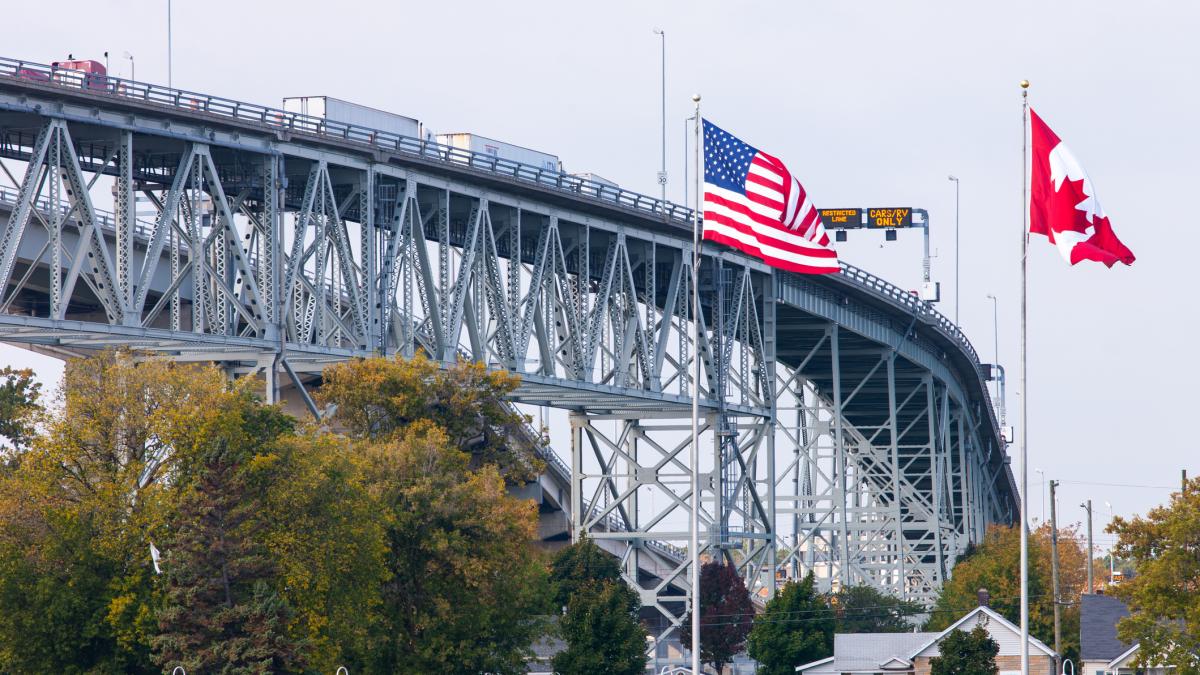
{"points": [[869, 103]]}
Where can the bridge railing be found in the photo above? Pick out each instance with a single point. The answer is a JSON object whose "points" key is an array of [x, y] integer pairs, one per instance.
{"points": [[196, 102], [922, 310]]}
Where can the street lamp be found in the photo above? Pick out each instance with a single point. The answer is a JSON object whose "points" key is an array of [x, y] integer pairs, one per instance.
{"points": [[170, 51], [1042, 490], [662, 174], [955, 247], [995, 332], [132, 72]]}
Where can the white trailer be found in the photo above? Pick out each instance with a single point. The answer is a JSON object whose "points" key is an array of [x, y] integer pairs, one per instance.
{"points": [[500, 149], [595, 179], [337, 110]]}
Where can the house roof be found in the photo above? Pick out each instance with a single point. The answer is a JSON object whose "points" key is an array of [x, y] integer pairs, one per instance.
{"points": [[992, 615], [867, 652], [1098, 617]]}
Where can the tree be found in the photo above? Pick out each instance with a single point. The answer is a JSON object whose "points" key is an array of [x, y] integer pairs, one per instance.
{"points": [[1163, 603], [78, 512], [995, 565], [963, 653], [602, 631], [465, 586], [376, 398], [580, 564], [726, 614], [326, 536], [222, 610], [864, 609], [19, 394], [796, 628]]}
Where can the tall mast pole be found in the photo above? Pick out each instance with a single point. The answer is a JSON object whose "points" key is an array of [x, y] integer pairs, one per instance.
{"points": [[1024, 381], [694, 545]]}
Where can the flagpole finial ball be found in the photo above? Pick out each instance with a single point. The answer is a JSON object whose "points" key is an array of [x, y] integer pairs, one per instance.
{"points": [[696, 98], [1024, 84]]}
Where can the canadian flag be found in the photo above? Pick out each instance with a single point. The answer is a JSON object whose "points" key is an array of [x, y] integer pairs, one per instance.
{"points": [[1063, 204]]}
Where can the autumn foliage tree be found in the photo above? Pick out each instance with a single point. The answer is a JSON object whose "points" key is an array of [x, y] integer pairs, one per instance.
{"points": [[1164, 606], [995, 565], [388, 545], [222, 609], [464, 587], [79, 511], [726, 614], [377, 398]]}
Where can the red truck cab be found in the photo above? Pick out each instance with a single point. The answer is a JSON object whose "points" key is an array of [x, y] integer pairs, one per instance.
{"points": [[80, 73]]}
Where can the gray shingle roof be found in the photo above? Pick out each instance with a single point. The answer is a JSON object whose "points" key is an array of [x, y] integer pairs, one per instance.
{"points": [[1098, 617], [866, 651]]}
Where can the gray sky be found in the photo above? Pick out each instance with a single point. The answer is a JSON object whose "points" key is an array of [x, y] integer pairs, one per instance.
{"points": [[869, 103]]}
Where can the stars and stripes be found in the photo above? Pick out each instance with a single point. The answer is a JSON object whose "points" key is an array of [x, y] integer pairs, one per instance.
{"points": [[754, 204]]}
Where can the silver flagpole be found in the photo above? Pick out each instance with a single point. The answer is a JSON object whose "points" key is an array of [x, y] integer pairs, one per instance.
{"points": [[694, 545], [1024, 373]]}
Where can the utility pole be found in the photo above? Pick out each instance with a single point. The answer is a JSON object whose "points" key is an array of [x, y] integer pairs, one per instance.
{"points": [[1054, 568], [1091, 583]]}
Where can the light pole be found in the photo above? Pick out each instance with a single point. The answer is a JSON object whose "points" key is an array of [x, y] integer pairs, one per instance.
{"points": [[956, 249], [996, 334], [1091, 552], [662, 173], [1112, 563], [132, 72], [169, 51], [1042, 490]]}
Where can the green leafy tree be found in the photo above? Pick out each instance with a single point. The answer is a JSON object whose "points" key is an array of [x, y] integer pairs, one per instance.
{"points": [[221, 609], [1164, 608], [19, 394], [726, 614], [964, 653], [864, 609], [602, 631], [580, 564], [796, 628], [465, 586]]}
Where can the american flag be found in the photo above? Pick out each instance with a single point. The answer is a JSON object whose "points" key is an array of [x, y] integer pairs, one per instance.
{"points": [[754, 204]]}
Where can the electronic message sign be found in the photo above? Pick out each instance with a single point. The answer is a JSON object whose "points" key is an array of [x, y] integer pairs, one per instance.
{"points": [[841, 219], [887, 218]]}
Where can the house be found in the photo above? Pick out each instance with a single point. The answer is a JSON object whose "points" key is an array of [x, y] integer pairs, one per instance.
{"points": [[1100, 651], [910, 653]]}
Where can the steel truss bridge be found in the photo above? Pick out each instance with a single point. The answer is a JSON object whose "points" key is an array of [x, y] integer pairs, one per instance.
{"points": [[847, 428]]}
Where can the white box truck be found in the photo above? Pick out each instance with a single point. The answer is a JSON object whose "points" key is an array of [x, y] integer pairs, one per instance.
{"points": [[500, 149], [337, 110]]}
